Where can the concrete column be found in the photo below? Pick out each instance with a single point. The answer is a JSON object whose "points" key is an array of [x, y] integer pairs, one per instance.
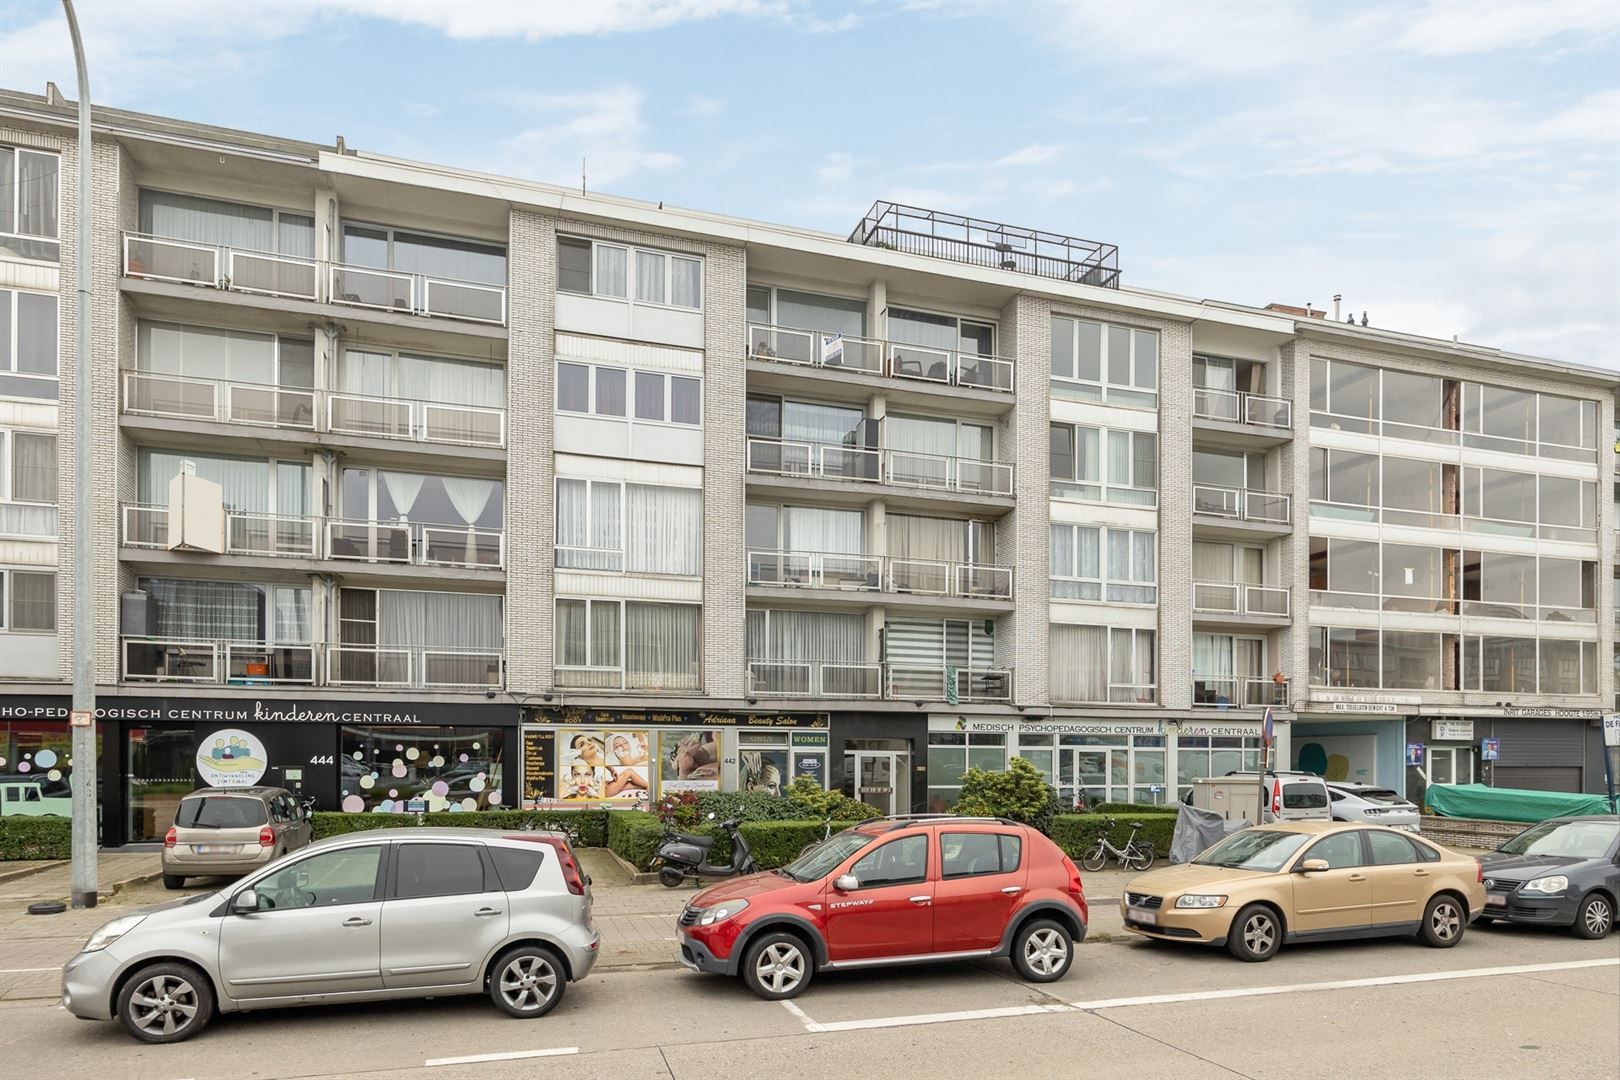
{"points": [[1174, 672], [1022, 535]]}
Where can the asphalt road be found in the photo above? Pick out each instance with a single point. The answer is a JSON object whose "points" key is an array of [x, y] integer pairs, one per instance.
{"points": [[1507, 1002]]}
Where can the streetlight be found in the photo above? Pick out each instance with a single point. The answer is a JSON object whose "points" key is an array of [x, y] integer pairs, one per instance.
{"points": [[83, 716]]}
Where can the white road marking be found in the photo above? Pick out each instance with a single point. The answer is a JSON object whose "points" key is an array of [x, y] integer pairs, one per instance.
{"points": [[473, 1059], [812, 1025]]}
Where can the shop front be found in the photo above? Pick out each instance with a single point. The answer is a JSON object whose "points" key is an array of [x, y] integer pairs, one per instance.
{"points": [[631, 758], [1536, 749]]}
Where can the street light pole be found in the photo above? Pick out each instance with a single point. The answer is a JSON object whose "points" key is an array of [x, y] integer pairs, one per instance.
{"points": [[83, 716]]}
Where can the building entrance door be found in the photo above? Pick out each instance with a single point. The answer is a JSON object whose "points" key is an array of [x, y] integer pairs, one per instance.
{"points": [[882, 779], [160, 768]]}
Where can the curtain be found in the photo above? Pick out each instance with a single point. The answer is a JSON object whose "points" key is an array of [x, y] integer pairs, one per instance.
{"points": [[1145, 460], [836, 637], [452, 382], [295, 235], [1061, 551], [207, 610], [604, 636], [469, 497], [810, 528], [1212, 656], [1214, 373], [1119, 458], [686, 283], [663, 529], [570, 650], [245, 483], [33, 467], [588, 517], [292, 488], [827, 424], [1079, 656], [291, 615], [1087, 455], [829, 314], [932, 539], [361, 372], [1251, 565], [438, 620], [204, 353], [1211, 562], [650, 277], [207, 221], [919, 435], [402, 488], [610, 271], [661, 644]]}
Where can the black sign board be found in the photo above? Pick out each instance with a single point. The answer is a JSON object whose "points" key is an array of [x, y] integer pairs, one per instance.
{"points": [[579, 716], [266, 709]]}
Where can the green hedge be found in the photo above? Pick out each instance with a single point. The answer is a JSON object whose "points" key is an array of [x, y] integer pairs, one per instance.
{"points": [[1118, 808], [634, 836], [777, 843], [592, 825], [1076, 834], [35, 838]]}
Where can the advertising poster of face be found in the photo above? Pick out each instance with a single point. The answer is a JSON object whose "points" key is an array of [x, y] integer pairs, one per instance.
{"points": [[689, 760], [602, 766], [763, 770]]}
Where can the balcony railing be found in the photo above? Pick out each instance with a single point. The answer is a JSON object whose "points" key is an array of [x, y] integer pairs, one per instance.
{"points": [[414, 667], [246, 532], [419, 421], [1238, 598], [233, 663], [191, 397], [415, 544], [874, 573], [1112, 693], [977, 242], [1238, 692], [903, 681], [1237, 407], [595, 677], [814, 679], [902, 468], [1241, 504], [874, 356], [216, 266]]}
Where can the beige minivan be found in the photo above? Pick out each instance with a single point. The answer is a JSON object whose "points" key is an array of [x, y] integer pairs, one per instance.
{"points": [[228, 832]]}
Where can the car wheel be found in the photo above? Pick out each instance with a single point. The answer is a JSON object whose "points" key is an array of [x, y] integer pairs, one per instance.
{"points": [[1256, 934], [164, 1003], [778, 966], [1443, 922], [1042, 951], [1594, 918], [527, 982], [173, 881], [669, 877]]}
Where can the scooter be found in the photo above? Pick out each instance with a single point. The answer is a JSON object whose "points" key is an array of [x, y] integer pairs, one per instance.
{"points": [[681, 856]]}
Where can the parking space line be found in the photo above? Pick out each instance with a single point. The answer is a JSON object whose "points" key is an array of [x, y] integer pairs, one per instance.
{"points": [[514, 1055], [804, 1017], [941, 1018]]}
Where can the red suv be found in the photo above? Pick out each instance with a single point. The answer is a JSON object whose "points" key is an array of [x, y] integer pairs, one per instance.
{"points": [[893, 891]]}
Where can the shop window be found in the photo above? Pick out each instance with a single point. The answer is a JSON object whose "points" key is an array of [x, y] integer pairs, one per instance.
{"points": [[1198, 756], [401, 770], [952, 753], [762, 762]]}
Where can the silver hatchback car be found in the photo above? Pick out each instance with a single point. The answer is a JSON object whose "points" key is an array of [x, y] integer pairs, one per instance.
{"points": [[390, 913]]}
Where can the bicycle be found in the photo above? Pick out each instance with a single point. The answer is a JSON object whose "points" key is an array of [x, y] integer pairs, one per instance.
{"points": [[1134, 855], [825, 836]]}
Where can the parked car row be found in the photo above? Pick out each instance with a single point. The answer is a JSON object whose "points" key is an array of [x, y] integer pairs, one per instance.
{"points": [[425, 912]]}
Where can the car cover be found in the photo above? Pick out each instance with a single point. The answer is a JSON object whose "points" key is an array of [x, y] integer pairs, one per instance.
{"points": [[1509, 804], [1197, 831]]}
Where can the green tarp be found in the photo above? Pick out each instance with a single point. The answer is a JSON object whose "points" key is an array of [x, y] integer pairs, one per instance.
{"points": [[1510, 804]]}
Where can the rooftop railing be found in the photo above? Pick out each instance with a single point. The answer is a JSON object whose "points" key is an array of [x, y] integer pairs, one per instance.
{"points": [[978, 242]]}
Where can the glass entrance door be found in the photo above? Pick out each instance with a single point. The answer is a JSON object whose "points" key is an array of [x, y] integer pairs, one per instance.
{"points": [[160, 767], [882, 779], [1086, 772], [1451, 765]]}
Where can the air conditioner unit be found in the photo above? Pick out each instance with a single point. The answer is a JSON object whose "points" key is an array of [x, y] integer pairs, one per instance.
{"points": [[196, 512]]}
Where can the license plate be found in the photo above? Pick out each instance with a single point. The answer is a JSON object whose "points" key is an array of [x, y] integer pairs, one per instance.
{"points": [[212, 849], [1496, 901], [1142, 915]]}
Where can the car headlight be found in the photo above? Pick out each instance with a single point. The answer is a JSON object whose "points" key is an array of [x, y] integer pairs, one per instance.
{"points": [[1551, 885], [112, 932], [721, 912], [1199, 900]]}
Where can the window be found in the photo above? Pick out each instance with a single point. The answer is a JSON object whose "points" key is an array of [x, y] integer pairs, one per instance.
{"points": [[1340, 851], [517, 867], [595, 268], [1214, 755], [1344, 396], [1100, 362], [952, 753], [834, 315], [386, 768], [1345, 478], [1418, 661], [423, 871], [590, 534], [1496, 418], [676, 399], [973, 854], [27, 484], [28, 601], [27, 343], [1568, 427], [332, 878], [29, 181], [1390, 848], [616, 644], [640, 528], [1080, 570], [1101, 664], [659, 398], [1129, 475], [1343, 657], [899, 862]]}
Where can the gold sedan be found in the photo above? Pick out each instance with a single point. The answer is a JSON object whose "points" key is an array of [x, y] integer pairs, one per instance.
{"points": [[1308, 881]]}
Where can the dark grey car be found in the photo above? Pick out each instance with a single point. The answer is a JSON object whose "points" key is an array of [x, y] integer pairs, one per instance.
{"points": [[1562, 872]]}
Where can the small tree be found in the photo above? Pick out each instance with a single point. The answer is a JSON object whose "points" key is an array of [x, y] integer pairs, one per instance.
{"points": [[1020, 794]]}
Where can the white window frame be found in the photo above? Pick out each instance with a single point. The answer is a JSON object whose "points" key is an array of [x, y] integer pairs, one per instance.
{"points": [[632, 253], [1106, 388], [590, 483], [16, 200], [630, 374], [1105, 579], [392, 231], [8, 464], [10, 297], [668, 397], [8, 621], [1104, 444], [621, 667]]}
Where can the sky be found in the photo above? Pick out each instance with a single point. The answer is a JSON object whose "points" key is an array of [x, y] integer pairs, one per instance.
{"points": [[1450, 168]]}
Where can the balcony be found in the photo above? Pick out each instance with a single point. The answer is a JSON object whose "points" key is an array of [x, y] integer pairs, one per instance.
{"points": [[593, 677], [264, 273], [190, 397], [991, 244], [415, 544], [878, 573], [414, 667], [814, 679], [220, 663], [1239, 692], [900, 468], [1238, 598], [1237, 407], [904, 681], [871, 356], [1117, 693], [1241, 504], [246, 533]]}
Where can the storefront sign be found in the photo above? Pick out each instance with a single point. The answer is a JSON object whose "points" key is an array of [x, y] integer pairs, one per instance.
{"points": [[1362, 707], [1414, 755], [1061, 727], [231, 757], [1381, 699], [261, 710], [1552, 714], [596, 765], [538, 768], [1451, 730], [1193, 727], [812, 765], [1611, 730], [582, 717], [1490, 749], [809, 738]]}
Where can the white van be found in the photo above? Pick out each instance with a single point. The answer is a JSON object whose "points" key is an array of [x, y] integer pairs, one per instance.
{"points": [[1290, 796]]}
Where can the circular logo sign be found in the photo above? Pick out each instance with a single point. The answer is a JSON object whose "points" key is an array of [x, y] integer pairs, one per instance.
{"points": [[230, 757]]}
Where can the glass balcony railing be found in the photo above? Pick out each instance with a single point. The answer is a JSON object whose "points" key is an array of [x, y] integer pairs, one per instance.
{"points": [[878, 573], [415, 544], [414, 667], [814, 679], [1240, 504], [1239, 692], [219, 662], [1239, 598], [902, 468], [874, 356], [1237, 407], [246, 532]]}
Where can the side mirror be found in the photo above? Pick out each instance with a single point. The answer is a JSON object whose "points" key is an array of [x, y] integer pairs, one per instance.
{"points": [[1313, 866], [847, 883], [245, 902]]}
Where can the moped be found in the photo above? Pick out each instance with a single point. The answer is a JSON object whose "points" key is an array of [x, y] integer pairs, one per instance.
{"points": [[681, 856]]}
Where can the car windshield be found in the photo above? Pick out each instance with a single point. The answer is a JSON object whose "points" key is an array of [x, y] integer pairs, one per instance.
{"points": [[821, 860], [220, 812], [1568, 839], [1254, 850]]}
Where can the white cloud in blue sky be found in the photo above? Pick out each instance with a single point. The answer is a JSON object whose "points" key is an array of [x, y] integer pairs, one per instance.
{"points": [[1452, 168]]}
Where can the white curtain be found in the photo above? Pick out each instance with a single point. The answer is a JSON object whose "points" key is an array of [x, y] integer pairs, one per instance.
{"points": [[921, 436], [438, 620], [1079, 663], [571, 641], [245, 484], [934, 539], [810, 528], [650, 277], [292, 488], [361, 372], [610, 271], [1212, 656], [829, 424], [1131, 659], [661, 645], [686, 283], [204, 353], [452, 382], [663, 529], [1211, 562], [207, 610], [468, 496], [33, 466], [589, 524], [291, 615], [207, 221], [403, 488], [837, 637]]}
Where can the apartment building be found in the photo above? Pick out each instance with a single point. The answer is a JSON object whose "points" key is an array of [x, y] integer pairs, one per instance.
{"points": [[418, 488]]}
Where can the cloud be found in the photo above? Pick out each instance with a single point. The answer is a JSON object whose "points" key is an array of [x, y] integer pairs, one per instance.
{"points": [[835, 168], [604, 127], [1453, 29], [489, 19], [703, 105], [1034, 154]]}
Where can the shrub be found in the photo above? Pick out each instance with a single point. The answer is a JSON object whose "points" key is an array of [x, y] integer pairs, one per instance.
{"points": [[745, 806], [679, 809], [1020, 793], [633, 836], [590, 824], [1118, 808], [1077, 834], [817, 801], [331, 823], [36, 838]]}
